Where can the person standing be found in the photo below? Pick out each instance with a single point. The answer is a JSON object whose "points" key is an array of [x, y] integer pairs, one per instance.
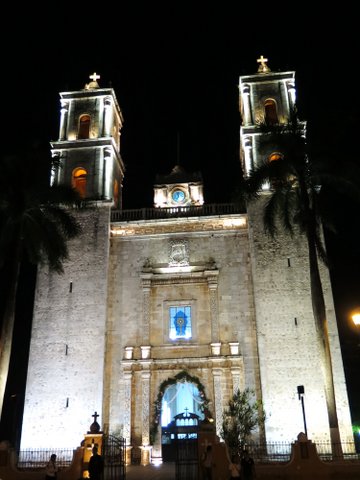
{"points": [[235, 467], [247, 466], [208, 463], [51, 468], [96, 465]]}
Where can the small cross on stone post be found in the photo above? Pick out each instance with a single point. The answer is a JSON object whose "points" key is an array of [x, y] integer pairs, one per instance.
{"points": [[95, 427]]}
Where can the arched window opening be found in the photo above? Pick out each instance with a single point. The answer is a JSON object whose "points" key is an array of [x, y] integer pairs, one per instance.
{"points": [[79, 181], [275, 156], [84, 127], [180, 322], [278, 180], [271, 116]]}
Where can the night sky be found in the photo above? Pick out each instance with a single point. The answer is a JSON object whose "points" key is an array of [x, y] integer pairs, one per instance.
{"points": [[175, 70]]}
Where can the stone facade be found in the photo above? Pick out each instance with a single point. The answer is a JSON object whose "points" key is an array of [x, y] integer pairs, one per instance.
{"points": [[215, 282], [101, 337]]}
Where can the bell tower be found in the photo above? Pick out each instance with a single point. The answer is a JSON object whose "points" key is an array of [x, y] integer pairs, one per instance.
{"points": [[286, 331], [88, 154], [88, 148], [266, 98]]}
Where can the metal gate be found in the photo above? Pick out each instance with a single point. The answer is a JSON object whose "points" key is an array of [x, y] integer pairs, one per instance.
{"points": [[113, 452], [186, 446]]}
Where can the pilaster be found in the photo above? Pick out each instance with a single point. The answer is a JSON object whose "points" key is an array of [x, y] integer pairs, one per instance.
{"points": [[145, 381], [146, 287], [127, 407], [217, 375], [235, 374], [212, 278]]}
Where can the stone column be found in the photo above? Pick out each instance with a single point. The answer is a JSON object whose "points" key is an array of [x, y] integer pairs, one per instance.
{"points": [[108, 163], [146, 287], [127, 407], [145, 381], [60, 171], [246, 102], [291, 94], [218, 412], [145, 440], [63, 120], [212, 278], [235, 373], [248, 158], [108, 117], [55, 173]]}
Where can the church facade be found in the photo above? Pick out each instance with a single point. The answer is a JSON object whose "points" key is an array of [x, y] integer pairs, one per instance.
{"points": [[172, 309]]}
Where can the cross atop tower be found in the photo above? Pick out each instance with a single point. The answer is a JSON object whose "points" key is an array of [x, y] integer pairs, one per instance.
{"points": [[263, 68], [95, 415], [94, 77]]}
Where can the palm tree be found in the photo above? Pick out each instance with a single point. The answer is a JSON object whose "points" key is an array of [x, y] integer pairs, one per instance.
{"points": [[35, 223], [298, 188]]}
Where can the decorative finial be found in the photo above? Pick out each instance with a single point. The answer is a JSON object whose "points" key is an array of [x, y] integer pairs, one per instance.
{"points": [[93, 84], [263, 68], [94, 77]]}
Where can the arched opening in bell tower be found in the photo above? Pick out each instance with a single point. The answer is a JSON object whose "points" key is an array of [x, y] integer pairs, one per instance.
{"points": [[271, 116], [84, 127], [78, 181]]}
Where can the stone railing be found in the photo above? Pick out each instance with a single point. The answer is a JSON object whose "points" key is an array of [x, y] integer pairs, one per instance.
{"points": [[175, 212]]}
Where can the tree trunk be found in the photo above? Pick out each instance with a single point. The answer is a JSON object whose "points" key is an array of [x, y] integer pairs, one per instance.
{"points": [[319, 310]]}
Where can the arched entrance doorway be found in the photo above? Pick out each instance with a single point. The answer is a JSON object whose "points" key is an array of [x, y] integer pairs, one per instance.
{"points": [[182, 397]]}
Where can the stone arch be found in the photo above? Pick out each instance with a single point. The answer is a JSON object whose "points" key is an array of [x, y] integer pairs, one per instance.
{"points": [[79, 180], [84, 126], [182, 376], [270, 112]]}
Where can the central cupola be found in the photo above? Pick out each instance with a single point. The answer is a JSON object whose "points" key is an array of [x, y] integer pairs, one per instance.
{"points": [[178, 189]]}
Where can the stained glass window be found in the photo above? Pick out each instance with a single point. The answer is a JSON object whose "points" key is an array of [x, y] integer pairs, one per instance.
{"points": [[180, 322]]}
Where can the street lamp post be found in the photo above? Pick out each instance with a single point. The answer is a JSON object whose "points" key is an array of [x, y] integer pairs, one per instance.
{"points": [[301, 392]]}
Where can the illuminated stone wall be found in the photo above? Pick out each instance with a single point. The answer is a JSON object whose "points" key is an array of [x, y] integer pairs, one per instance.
{"points": [[100, 330], [142, 286], [288, 351], [66, 366]]}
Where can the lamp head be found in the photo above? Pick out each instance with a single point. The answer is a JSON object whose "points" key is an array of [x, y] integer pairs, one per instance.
{"points": [[356, 318], [300, 390]]}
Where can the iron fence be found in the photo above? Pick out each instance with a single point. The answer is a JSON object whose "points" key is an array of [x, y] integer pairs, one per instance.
{"points": [[37, 458], [262, 453], [113, 451], [273, 452], [332, 452], [270, 452]]}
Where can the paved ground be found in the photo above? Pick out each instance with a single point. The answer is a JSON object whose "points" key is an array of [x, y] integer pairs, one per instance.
{"points": [[165, 471]]}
